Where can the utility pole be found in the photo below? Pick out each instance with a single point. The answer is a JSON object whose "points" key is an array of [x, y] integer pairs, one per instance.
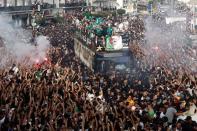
{"points": [[23, 2], [15, 2], [29, 2], [5, 3], [193, 13], [136, 6], [53, 3], [172, 6]]}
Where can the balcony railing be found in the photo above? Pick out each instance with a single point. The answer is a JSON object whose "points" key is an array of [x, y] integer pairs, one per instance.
{"points": [[44, 6]]}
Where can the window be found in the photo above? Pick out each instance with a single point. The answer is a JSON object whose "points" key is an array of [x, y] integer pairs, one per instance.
{"points": [[125, 2], [195, 9]]}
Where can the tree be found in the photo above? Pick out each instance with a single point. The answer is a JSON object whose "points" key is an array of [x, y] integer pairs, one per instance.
{"points": [[114, 13], [121, 11]]}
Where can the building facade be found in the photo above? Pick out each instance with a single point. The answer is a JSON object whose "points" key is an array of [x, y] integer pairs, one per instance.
{"points": [[128, 5], [29, 2]]}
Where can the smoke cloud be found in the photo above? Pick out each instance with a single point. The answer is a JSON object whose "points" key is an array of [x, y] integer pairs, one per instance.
{"points": [[167, 45], [17, 47]]}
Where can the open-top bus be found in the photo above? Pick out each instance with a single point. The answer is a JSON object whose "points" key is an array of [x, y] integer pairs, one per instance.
{"points": [[101, 57]]}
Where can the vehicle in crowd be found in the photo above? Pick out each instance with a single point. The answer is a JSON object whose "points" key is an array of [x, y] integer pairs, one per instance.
{"points": [[102, 59]]}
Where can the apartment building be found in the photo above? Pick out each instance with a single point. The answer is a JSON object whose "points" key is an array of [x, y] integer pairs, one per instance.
{"points": [[29, 2], [128, 5]]}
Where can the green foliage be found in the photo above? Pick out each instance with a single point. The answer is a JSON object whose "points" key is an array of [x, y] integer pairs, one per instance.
{"points": [[88, 15], [121, 11], [150, 1]]}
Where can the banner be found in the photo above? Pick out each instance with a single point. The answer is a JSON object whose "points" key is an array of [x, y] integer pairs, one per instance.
{"points": [[117, 42], [170, 20], [84, 53], [114, 43]]}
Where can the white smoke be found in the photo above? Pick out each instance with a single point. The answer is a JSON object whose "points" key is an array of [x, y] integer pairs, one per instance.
{"points": [[167, 45], [17, 47]]}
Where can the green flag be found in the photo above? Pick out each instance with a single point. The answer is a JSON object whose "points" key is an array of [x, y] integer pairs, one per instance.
{"points": [[109, 45], [99, 20], [89, 27], [38, 75], [109, 31], [87, 15], [98, 32]]}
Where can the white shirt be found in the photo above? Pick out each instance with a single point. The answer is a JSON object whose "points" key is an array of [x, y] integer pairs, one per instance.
{"points": [[15, 69], [191, 110], [190, 91], [162, 115]]}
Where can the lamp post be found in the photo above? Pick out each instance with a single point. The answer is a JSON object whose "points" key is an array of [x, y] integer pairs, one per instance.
{"points": [[53, 3]]}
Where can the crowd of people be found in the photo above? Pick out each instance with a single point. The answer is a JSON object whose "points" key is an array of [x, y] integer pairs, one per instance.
{"points": [[63, 94]]}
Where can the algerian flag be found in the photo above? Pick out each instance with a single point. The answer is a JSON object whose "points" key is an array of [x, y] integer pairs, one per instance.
{"points": [[109, 45]]}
